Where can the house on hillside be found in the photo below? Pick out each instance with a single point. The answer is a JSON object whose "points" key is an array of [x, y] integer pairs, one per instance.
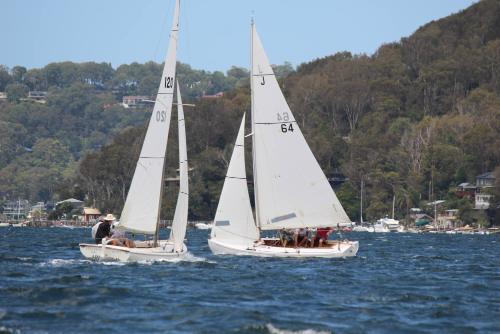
{"points": [[134, 101], [483, 182], [90, 215], [419, 218], [486, 180], [37, 96], [3, 96], [15, 210], [212, 97], [448, 219], [38, 211], [76, 204], [466, 190]]}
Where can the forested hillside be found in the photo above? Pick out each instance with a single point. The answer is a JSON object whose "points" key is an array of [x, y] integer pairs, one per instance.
{"points": [[42, 143], [413, 120]]}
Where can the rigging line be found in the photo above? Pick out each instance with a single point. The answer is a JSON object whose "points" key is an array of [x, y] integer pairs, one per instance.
{"points": [[271, 123], [263, 75], [162, 29], [235, 177]]}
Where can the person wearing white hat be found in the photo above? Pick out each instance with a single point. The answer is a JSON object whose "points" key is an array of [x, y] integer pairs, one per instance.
{"points": [[104, 229]]}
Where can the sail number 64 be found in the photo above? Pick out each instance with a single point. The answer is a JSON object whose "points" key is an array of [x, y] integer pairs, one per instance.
{"points": [[284, 117], [286, 127]]}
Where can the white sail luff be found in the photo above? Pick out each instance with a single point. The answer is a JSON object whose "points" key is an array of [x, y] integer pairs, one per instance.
{"points": [[234, 223], [141, 210], [291, 189], [179, 223], [254, 158]]}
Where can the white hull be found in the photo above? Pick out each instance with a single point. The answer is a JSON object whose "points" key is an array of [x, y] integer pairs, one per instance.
{"points": [[203, 226], [4, 224], [345, 249], [381, 229], [124, 254]]}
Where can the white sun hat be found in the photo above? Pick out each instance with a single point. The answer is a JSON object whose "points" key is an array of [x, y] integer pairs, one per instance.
{"points": [[110, 217]]}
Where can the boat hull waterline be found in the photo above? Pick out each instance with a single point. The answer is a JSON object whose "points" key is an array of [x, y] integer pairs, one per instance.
{"points": [[344, 249], [125, 254]]}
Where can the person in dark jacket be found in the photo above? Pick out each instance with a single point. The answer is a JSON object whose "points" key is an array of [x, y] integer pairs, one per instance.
{"points": [[104, 229]]}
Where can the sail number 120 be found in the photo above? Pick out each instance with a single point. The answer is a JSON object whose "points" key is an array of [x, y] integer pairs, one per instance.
{"points": [[169, 82]]}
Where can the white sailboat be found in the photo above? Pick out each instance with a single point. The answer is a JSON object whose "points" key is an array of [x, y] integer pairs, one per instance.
{"points": [[141, 212], [291, 190]]}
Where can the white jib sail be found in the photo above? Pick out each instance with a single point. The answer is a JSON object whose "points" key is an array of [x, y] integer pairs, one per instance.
{"points": [[291, 189], [141, 210], [234, 221], [179, 223]]}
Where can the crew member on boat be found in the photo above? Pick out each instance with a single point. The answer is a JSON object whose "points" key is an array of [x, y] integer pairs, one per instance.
{"points": [[301, 237], [118, 237], [286, 236], [104, 228], [322, 235]]}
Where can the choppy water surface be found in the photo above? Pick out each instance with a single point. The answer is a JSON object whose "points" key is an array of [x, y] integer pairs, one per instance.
{"points": [[404, 283]]}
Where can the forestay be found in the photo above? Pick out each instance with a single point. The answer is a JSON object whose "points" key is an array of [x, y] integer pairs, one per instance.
{"points": [[234, 221], [291, 189], [179, 223], [141, 211]]}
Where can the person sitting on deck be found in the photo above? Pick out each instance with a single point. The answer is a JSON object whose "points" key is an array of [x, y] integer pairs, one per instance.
{"points": [[104, 229], [300, 237], [322, 235], [286, 236], [118, 237]]}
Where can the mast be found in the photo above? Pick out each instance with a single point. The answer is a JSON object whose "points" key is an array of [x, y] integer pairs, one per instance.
{"points": [[141, 212], [173, 32], [361, 213], [178, 230], [254, 160], [393, 204], [157, 231]]}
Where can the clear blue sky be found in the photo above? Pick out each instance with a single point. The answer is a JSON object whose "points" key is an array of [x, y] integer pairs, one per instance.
{"points": [[214, 33]]}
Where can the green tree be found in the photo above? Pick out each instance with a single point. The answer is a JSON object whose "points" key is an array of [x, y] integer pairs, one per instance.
{"points": [[16, 91]]}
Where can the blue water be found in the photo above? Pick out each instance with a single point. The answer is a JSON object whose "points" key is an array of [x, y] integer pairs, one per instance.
{"points": [[398, 283]]}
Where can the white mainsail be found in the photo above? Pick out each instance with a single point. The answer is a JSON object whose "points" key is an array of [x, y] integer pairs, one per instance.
{"points": [[179, 223], [291, 190], [234, 221], [141, 210]]}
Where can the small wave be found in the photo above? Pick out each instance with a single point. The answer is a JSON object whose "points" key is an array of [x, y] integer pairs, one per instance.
{"points": [[188, 257], [274, 330], [5, 330], [110, 263], [63, 262]]}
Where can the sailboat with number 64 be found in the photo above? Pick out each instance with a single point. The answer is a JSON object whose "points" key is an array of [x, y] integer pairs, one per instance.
{"points": [[291, 191]]}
